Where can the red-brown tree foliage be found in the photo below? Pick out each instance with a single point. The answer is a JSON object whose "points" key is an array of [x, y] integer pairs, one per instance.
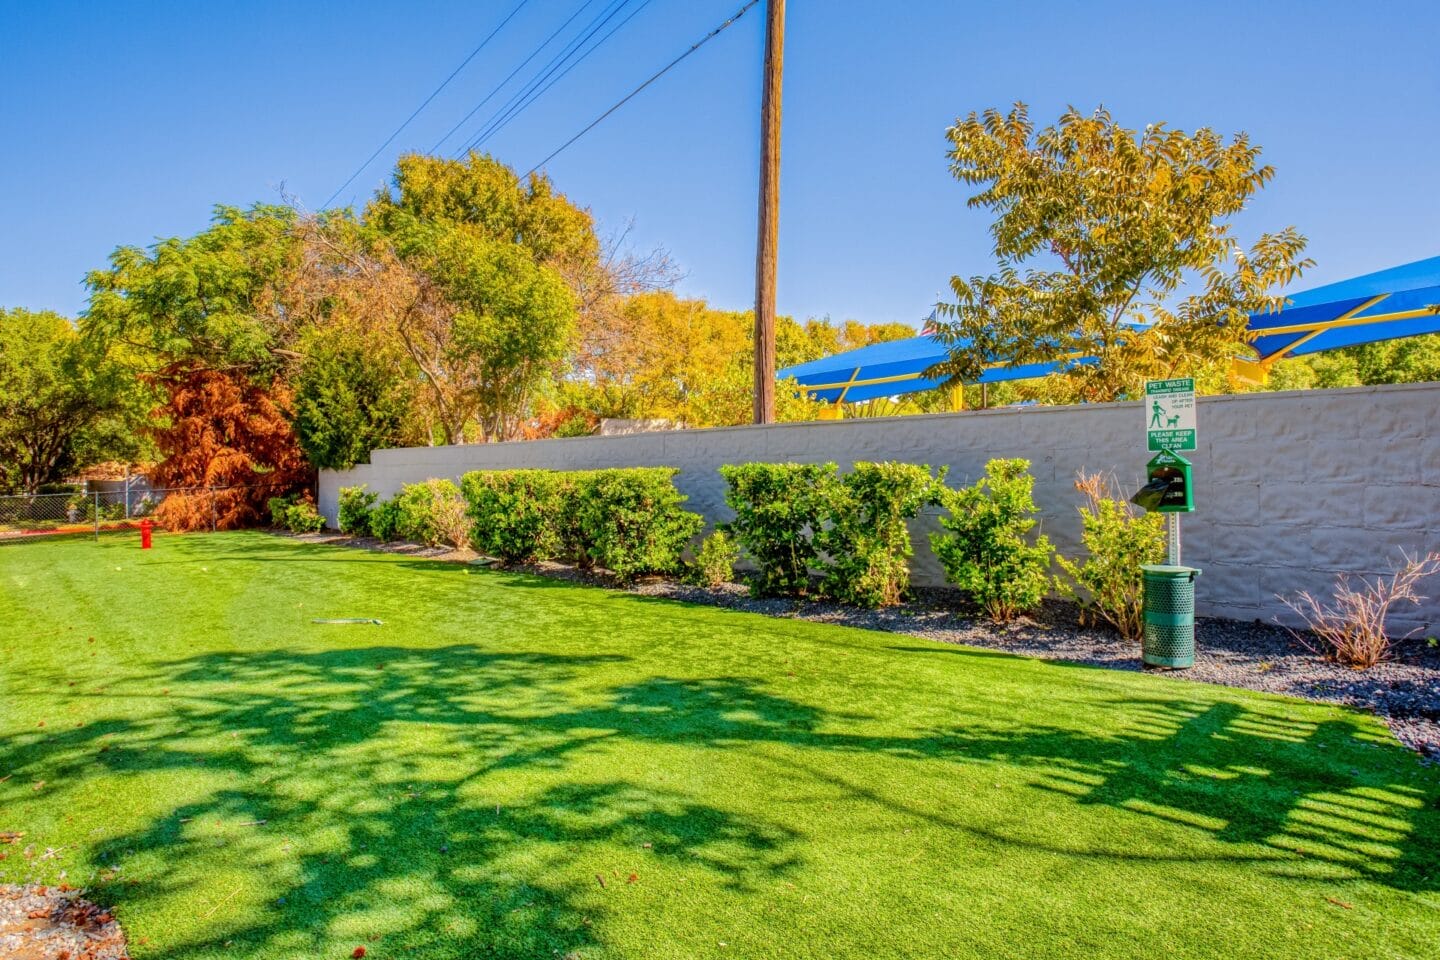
{"points": [[227, 433]]}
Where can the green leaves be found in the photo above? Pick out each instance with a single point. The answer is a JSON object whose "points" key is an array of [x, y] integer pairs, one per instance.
{"points": [[352, 395], [793, 518], [778, 509], [867, 539], [1121, 228], [356, 504], [629, 521], [988, 552], [65, 400], [1108, 582], [215, 298]]}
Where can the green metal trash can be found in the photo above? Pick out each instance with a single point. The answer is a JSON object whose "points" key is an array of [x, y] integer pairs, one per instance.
{"points": [[1169, 616]]}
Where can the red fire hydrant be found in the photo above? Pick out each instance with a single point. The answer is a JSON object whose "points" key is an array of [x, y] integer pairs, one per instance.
{"points": [[145, 527]]}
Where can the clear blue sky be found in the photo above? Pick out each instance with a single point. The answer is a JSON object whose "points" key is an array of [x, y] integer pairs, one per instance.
{"points": [[120, 123]]}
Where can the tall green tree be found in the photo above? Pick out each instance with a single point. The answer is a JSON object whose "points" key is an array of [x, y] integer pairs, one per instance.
{"points": [[216, 301], [353, 394], [1110, 244], [65, 402], [480, 270]]}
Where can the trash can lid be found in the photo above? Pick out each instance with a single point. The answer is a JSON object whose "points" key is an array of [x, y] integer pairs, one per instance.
{"points": [[1169, 570]]}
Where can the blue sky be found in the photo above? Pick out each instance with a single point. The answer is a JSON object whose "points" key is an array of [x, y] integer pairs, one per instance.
{"points": [[120, 123]]}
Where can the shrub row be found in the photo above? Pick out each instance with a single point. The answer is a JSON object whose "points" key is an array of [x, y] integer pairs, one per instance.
{"points": [[805, 528], [431, 513], [628, 521], [294, 513], [797, 520], [803, 523]]}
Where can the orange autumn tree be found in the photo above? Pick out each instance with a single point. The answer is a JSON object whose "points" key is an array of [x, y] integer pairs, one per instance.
{"points": [[227, 443], [212, 320]]}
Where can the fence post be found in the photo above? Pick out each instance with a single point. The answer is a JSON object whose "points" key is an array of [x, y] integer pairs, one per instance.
{"points": [[96, 503]]}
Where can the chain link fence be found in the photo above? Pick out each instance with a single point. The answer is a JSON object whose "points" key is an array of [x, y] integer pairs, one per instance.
{"points": [[93, 511]]}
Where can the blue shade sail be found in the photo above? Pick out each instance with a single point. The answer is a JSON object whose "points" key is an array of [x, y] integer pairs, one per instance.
{"points": [[1384, 305]]}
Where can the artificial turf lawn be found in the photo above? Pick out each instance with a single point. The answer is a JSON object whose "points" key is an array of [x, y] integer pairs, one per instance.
{"points": [[459, 781]]}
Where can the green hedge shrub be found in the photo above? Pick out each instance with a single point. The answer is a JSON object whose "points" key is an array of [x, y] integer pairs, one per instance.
{"points": [[631, 521], [355, 506], [715, 561], [385, 521], [1108, 584], [778, 508], [432, 513], [515, 515], [986, 552], [867, 541], [280, 510], [574, 538], [296, 515]]}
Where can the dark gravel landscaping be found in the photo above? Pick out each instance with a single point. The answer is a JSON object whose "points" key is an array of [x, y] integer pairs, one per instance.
{"points": [[1404, 692]]}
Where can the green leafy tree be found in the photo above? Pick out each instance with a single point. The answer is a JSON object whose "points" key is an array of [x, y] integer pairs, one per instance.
{"points": [[65, 402], [508, 328], [485, 197], [352, 395], [1112, 245], [216, 300], [1407, 360], [474, 266]]}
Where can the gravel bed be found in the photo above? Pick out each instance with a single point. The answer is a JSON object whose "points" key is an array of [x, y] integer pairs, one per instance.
{"points": [[1404, 692], [55, 923]]}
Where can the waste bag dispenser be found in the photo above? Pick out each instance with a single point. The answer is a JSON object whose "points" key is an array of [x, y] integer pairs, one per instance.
{"points": [[1168, 489]]}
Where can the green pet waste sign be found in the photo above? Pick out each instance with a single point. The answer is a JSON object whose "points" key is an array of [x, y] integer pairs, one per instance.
{"points": [[1170, 414]]}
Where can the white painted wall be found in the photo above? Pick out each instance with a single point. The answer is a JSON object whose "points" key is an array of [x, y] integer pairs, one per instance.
{"points": [[1290, 489]]}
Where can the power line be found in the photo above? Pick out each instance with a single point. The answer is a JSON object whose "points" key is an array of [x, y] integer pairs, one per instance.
{"points": [[519, 100], [433, 94], [545, 89], [501, 85], [512, 105], [629, 96]]}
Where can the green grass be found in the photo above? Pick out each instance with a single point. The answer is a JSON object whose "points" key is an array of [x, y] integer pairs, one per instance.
{"points": [[452, 783]]}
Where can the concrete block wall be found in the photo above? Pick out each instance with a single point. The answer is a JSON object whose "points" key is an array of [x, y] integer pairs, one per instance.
{"points": [[1291, 488]]}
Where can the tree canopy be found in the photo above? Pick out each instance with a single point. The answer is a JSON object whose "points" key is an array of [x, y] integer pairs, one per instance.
{"points": [[64, 401], [216, 300], [1110, 244]]}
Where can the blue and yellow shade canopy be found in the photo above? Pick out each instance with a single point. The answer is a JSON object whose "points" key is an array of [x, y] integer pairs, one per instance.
{"points": [[1385, 305]]}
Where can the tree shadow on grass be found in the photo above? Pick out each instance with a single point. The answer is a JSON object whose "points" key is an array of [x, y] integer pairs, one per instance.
{"points": [[1303, 789], [423, 841], [439, 798]]}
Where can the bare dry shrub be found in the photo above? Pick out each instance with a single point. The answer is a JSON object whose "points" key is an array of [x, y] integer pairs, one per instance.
{"points": [[451, 521], [1351, 629]]}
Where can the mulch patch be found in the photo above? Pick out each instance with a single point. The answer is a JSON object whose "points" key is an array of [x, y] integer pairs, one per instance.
{"points": [[56, 923]]}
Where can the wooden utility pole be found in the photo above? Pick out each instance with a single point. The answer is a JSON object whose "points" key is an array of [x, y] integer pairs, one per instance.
{"points": [[769, 231]]}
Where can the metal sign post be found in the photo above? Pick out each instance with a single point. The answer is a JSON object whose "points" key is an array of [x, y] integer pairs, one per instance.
{"points": [[1172, 539], [1169, 598]]}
